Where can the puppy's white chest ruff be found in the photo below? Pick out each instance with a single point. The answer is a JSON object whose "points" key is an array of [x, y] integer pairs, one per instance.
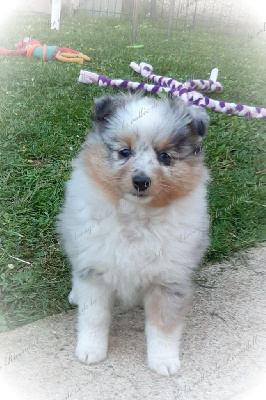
{"points": [[131, 249], [130, 255]]}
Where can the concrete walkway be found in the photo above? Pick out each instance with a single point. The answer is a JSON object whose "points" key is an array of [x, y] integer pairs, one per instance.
{"points": [[223, 353]]}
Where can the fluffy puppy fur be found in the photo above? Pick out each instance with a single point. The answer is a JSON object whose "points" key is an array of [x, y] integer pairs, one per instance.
{"points": [[134, 223]]}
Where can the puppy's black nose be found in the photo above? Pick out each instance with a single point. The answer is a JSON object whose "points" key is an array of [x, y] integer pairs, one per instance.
{"points": [[141, 183]]}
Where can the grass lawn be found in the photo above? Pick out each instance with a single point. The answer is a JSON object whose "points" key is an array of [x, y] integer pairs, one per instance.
{"points": [[44, 116]]}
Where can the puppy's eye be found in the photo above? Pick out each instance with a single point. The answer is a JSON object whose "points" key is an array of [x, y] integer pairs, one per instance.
{"points": [[164, 158], [125, 153]]}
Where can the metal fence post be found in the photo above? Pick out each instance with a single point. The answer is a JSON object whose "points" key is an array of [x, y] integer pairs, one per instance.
{"points": [[170, 18], [69, 7], [194, 16], [135, 20], [153, 9]]}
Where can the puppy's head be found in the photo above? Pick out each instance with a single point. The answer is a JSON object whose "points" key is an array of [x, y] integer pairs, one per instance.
{"points": [[144, 149]]}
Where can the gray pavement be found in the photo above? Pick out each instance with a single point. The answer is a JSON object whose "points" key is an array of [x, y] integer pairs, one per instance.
{"points": [[223, 351]]}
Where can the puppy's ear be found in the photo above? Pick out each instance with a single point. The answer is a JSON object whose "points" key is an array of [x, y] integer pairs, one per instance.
{"points": [[104, 107], [200, 120], [195, 116]]}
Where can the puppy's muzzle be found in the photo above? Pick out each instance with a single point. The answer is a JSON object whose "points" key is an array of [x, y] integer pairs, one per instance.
{"points": [[141, 183]]}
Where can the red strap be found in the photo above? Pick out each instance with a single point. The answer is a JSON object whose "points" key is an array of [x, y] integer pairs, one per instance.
{"points": [[12, 52]]}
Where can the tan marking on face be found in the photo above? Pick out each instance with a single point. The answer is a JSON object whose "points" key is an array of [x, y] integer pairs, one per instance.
{"points": [[185, 176], [163, 145], [98, 168], [114, 183], [129, 140], [164, 310]]}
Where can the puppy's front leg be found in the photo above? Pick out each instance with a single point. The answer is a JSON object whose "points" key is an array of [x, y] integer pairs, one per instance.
{"points": [[165, 307], [95, 300]]}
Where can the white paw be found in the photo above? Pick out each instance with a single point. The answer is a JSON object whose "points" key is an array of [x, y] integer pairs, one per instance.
{"points": [[164, 365], [90, 355]]}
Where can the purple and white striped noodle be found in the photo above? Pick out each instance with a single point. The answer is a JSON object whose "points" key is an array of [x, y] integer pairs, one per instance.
{"points": [[186, 91]]}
